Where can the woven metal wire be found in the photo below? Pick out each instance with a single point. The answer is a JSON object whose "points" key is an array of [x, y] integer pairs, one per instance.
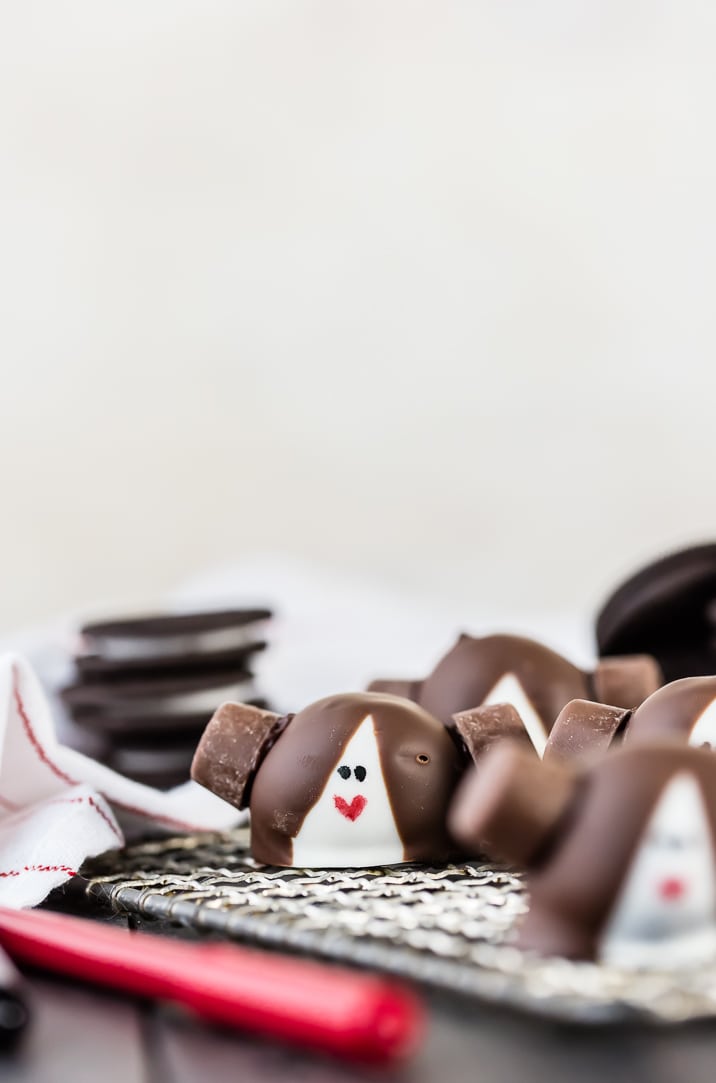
{"points": [[446, 927]]}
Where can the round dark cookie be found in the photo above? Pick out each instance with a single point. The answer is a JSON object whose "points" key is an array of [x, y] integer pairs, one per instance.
{"points": [[666, 609], [153, 704], [162, 766], [94, 666], [190, 640]]}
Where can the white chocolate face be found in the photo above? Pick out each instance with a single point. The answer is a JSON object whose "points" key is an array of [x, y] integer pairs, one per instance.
{"points": [[665, 915], [704, 731], [509, 690], [352, 824]]}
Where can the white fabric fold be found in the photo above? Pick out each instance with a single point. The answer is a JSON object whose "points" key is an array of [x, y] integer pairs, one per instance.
{"points": [[58, 807]]}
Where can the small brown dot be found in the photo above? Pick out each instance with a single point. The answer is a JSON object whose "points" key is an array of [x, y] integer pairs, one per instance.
{"points": [[422, 758]]}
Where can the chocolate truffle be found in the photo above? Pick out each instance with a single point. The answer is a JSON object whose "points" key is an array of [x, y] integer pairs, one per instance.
{"points": [[537, 681], [667, 609], [621, 859], [350, 781]]}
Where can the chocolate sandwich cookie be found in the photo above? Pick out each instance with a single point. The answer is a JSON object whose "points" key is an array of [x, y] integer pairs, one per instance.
{"points": [[353, 780], [153, 705], [666, 609], [535, 680], [91, 666], [146, 686], [163, 765], [208, 640], [620, 856]]}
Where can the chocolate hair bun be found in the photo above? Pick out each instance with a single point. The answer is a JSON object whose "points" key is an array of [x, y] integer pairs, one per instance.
{"points": [[535, 680], [667, 609], [682, 711], [584, 731], [621, 857], [350, 781]]}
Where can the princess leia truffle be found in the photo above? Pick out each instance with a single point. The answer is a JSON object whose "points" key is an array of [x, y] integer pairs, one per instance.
{"points": [[620, 855], [350, 781], [535, 680]]}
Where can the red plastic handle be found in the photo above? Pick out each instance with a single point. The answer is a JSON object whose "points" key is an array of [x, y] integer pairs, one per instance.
{"points": [[329, 1008]]}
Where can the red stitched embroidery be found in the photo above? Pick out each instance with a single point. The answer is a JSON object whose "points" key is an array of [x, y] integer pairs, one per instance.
{"points": [[39, 750], [105, 817], [39, 868], [24, 814], [182, 825], [67, 801]]}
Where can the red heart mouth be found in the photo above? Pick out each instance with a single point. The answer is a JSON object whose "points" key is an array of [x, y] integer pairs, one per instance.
{"points": [[352, 811]]}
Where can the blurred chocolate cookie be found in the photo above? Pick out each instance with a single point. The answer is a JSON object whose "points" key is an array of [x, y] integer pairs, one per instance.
{"points": [[162, 765], [666, 609], [154, 704], [178, 641], [145, 687]]}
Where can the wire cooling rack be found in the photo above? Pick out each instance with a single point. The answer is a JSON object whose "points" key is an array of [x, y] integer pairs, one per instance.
{"points": [[444, 927]]}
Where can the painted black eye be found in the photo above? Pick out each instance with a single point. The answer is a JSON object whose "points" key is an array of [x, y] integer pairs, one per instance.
{"points": [[360, 773], [422, 758], [345, 772]]}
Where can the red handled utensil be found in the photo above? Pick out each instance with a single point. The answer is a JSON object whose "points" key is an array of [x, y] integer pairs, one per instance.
{"points": [[328, 1008]]}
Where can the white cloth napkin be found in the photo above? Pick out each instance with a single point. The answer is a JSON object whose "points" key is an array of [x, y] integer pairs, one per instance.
{"points": [[58, 807]]}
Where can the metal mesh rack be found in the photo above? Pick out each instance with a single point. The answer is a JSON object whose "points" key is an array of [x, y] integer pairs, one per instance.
{"points": [[445, 927]]}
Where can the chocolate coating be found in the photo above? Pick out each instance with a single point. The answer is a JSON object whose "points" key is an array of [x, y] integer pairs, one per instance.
{"points": [[666, 609], [579, 833], [419, 762], [508, 810], [471, 671], [674, 712]]}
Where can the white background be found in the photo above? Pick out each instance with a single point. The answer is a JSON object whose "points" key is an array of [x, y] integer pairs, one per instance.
{"points": [[419, 290]]}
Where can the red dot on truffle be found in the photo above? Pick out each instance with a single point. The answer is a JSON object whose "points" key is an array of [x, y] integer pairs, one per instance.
{"points": [[672, 888]]}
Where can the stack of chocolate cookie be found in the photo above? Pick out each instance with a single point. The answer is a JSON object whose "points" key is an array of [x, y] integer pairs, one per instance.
{"points": [[145, 687]]}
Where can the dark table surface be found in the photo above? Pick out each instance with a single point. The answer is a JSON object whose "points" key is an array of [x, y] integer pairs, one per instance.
{"points": [[84, 1035]]}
